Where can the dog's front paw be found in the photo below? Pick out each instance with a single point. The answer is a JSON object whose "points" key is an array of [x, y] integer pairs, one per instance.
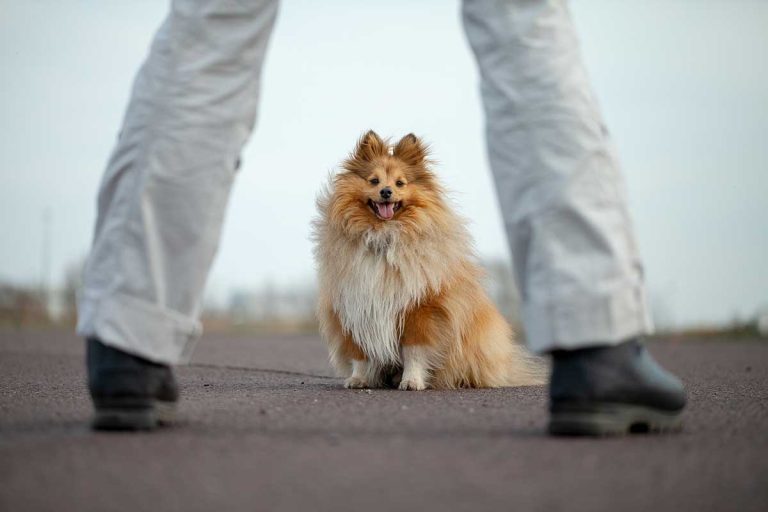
{"points": [[354, 382], [412, 384]]}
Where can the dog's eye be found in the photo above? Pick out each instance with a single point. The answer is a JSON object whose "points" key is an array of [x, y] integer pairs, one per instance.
{"points": [[375, 181], [399, 183]]}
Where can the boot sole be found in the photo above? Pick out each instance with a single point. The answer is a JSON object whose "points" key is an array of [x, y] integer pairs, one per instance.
{"points": [[134, 418], [612, 420]]}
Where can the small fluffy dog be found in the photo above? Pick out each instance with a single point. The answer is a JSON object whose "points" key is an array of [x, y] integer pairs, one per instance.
{"points": [[400, 296]]}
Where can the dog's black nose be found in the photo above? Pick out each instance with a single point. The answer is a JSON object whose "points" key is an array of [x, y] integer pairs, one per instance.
{"points": [[386, 193]]}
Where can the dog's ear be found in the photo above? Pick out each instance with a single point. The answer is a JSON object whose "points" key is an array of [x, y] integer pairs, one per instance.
{"points": [[411, 150], [370, 146]]}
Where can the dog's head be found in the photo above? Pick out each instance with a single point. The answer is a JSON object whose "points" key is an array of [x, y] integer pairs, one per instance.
{"points": [[383, 184]]}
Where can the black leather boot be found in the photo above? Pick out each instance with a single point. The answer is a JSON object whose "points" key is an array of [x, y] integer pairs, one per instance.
{"points": [[128, 392], [612, 390]]}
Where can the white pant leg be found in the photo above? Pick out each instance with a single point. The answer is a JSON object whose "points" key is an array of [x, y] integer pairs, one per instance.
{"points": [[557, 178], [165, 189]]}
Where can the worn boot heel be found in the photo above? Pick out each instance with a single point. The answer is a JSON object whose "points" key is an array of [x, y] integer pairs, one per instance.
{"points": [[611, 420], [131, 416]]}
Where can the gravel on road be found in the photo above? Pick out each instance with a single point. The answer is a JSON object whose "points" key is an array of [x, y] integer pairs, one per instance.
{"points": [[266, 426]]}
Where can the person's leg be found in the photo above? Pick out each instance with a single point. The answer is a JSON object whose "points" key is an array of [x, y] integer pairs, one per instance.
{"points": [[558, 180], [164, 193]]}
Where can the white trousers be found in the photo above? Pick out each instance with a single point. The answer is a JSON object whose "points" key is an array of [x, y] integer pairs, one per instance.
{"points": [[163, 196]]}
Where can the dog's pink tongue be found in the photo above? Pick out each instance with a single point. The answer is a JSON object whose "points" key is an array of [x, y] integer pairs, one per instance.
{"points": [[386, 210]]}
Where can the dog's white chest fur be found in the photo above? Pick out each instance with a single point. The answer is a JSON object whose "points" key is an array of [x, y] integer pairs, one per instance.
{"points": [[374, 282], [372, 294]]}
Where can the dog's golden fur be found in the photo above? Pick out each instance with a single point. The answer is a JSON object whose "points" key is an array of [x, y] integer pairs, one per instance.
{"points": [[400, 292]]}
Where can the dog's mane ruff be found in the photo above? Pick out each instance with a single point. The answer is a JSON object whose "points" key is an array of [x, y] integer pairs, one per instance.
{"points": [[373, 276]]}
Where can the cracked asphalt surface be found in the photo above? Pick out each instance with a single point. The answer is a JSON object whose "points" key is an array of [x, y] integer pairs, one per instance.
{"points": [[266, 426]]}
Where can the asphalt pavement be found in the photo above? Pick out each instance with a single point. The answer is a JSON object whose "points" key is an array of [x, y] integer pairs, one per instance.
{"points": [[266, 426]]}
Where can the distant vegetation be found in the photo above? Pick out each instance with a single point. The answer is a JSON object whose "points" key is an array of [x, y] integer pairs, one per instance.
{"points": [[272, 308], [267, 308]]}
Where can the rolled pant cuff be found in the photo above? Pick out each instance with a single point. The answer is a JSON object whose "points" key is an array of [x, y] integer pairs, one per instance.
{"points": [[587, 321], [139, 328]]}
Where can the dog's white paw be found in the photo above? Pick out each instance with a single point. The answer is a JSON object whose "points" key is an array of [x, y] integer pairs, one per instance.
{"points": [[355, 382], [412, 384]]}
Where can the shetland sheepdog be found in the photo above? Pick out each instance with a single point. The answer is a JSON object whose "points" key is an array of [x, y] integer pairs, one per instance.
{"points": [[401, 300]]}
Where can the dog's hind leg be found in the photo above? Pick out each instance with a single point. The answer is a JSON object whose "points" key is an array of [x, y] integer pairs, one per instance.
{"points": [[360, 375], [426, 330]]}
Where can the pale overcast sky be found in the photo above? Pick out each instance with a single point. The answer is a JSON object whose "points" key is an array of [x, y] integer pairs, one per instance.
{"points": [[683, 86]]}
